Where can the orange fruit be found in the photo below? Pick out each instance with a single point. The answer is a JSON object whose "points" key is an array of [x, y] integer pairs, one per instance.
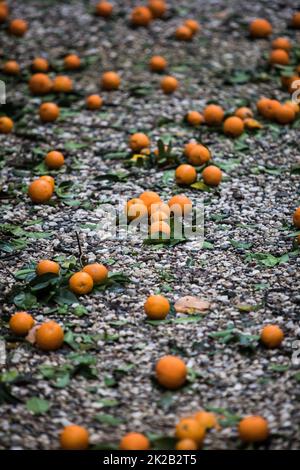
{"points": [[260, 28], [159, 216], [160, 229], [18, 27], [11, 67], [141, 16], [72, 62], [212, 175], [97, 271], [285, 114], [104, 9], [213, 114], [253, 429], [62, 84], [279, 56], [74, 437], [268, 108], [110, 81], [149, 198], [157, 7], [157, 63], [54, 160], [6, 125], [194, 118], [296, 217], [169, 84], [294, 106], [131, 202], [271, 336], [81, 283], [40, 84], [233, 126], [46, 266], [49, 336], [180, 204], [39, 64], [296, 20], [137, 211], [94, 102], [186, 444], [243, 113], [252, 124], [49, 112], [160, 207], [183, 33], [199, 155], [189, 428], [171, 372], [185, 174], [134, 441], [4, 12], [20, 323], [206, 419], [138, 141], [189, 147], [50, 180], [157, 307], [193, 25], [281, 43], [40, 191]]}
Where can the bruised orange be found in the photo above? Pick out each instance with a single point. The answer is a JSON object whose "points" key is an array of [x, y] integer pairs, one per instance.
{"points": [[46, 266], [233, 126], [171, 372], [185, 174], [134, 441], [81, 283], [11, 67], [97, 271], [141, 16], [6, 125], [157, 63], [49, 112], [40, 191], [54, 160], [253, 429], [40, 84], [271, 336], [212, 175], [110, 81], [49, 336], [199, 155], [138, 141], [213, 114], [169, 84], [20, 323], [157, 307], [260, 28], [18, 27], [94, 102], [74, 437]]}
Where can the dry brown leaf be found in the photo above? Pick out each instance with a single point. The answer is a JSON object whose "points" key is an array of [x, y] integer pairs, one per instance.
{"points": [[31, 334], [190, 305]]}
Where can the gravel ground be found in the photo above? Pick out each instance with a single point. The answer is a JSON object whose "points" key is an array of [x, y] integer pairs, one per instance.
{"points": [[253, 205]]}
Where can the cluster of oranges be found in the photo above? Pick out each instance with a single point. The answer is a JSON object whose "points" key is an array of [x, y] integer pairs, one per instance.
{"points": [[17, 26], [187, 30], [41, 189], [143, 15]]}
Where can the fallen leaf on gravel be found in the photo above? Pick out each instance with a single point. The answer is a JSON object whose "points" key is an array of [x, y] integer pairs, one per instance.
{"points": [[191, 305], [31, 334]]}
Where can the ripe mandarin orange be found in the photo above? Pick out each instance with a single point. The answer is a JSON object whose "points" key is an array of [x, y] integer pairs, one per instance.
{"points": [[253, 429], [110, 81], [157, 7], [213, 114], [6, 125], [157, 307], [296, 217], [134, 441], [20, 323], [94, 102], [180, 205], [279, 56], [104, 9], [206, 419], [72, 62], [189, 428], [141, 16], [160, 229], [185, 174], [260, 28], [157, 63], [62, 84], [233, 126], [149, 198], [49, 112], [54, 160], [40, 84], [183, 33], [74, 437], [285, 114], [81, 283], [49, 336], [186, 444], [40, 191], [212, 175], [4, 12], [199, 155], [97, 271], [271, 336], [138, 141], [244, 113], [296, 20], [50, 180], [281, 43], [171, 372], [39, 64], [193, 25], [18, 27], [169, 84], [46, 266], [194, 118], [11, 67]]}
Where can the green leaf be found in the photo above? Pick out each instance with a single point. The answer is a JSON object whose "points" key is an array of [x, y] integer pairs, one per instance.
{"points": [[25, 300], [108, 419], [37, 405], [240, 245], [200, 186]]}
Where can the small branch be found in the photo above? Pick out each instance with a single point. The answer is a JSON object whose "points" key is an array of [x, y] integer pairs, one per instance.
{"points": [[79, 249]]}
